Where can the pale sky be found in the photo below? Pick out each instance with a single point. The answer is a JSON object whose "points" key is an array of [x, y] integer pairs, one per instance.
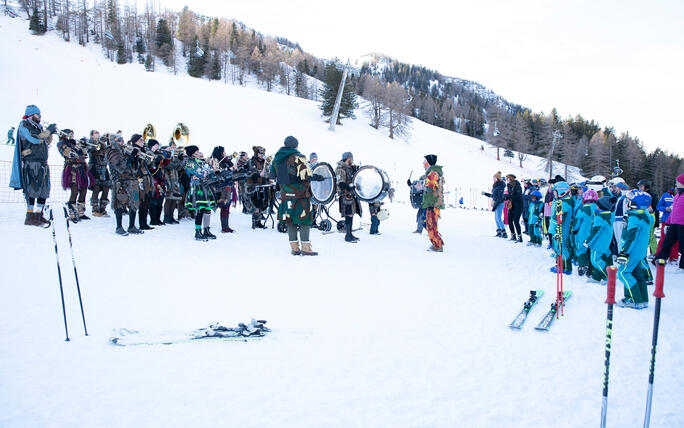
{"points": [[620, 63]]}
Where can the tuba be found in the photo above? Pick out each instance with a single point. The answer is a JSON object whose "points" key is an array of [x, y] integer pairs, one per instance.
{"points": [[149, 132], [181, 134]]}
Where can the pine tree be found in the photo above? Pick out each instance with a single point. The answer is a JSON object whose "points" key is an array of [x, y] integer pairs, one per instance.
{"points": [[331, 84], [35, 25], [508, 153], [149, 63], [121, 57], [164, 43], [196, 62]]}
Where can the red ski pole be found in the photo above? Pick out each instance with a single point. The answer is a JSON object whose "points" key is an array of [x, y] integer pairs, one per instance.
{"points": [[610, 300], [658, 294]]}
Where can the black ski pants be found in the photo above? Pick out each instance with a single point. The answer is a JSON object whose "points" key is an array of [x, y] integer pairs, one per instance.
{"points": [[675, 233], [514, 218]]}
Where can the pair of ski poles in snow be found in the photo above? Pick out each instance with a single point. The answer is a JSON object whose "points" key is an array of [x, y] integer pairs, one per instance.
{"points": [[610, 300], [59, 272]]}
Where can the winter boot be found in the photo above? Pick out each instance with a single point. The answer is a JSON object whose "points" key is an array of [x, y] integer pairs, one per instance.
{"points": [[103, 207], [294, 248], [95, 207], [306, 249], [131, 224], [208, 234], [71, 210], [142, 220], [513, 238], [582, 270], [519, 239], [42, 221], [225, 228], [199, 236], [121, 231], [347, 228], [30, 219], [503, 234], [435, 249], [81, 207], [498, 233]]}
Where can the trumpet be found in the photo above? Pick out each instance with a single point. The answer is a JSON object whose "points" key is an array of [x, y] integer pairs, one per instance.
{"points": [[181, 135], [149, 132], [147, 157]]}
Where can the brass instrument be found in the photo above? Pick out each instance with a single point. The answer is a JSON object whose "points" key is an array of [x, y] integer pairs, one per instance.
{"points": [[181, 135], [147, 157], [149, 132]]}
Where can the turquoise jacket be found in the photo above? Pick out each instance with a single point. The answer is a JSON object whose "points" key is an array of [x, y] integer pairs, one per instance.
{"points": [[583, 221], [601, 232], [568, 206], [637, 234], [535, 210]]}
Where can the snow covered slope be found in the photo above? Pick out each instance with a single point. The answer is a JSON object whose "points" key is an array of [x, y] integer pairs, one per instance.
{"points": [[380, 333]]}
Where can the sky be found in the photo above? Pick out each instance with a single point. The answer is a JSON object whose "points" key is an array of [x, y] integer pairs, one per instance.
{"points": [[620, 63]]}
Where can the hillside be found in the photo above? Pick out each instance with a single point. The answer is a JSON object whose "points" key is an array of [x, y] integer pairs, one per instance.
{"points": [[379, 333]]}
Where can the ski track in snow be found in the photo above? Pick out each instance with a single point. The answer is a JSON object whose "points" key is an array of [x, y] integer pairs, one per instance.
{"points": [[380, 333]]}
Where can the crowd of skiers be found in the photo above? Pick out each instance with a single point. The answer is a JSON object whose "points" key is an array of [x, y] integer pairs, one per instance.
{"points": [[146, 180], [595, 224]]}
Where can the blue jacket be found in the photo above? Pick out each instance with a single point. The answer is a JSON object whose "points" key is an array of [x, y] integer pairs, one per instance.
{"points": [[535, 212], [637, 234], [601, 232], [665, 201], [497, 194], [23, 137]]}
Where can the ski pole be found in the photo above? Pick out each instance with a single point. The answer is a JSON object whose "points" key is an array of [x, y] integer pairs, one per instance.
{"points": [[59, 275], [73, 261], [658, 294], [610, 300]]}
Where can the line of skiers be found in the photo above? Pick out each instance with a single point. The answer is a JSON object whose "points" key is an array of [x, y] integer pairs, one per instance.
{"points": [[595, 224]]}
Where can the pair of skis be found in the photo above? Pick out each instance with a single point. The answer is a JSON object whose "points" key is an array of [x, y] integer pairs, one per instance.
{"points": [[545, 323], [256, 329]]}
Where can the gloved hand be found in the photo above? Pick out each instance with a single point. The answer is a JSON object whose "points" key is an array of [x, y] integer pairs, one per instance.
{"points": [[622, 259], [135, 152], [52, 128], [483, 193], [585, 245], [317, 177], [408, 182]]}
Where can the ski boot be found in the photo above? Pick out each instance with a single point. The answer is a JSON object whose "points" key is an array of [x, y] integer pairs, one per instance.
{"points": [[582, 270], [555, 270], [208, 234], [629, 303]]}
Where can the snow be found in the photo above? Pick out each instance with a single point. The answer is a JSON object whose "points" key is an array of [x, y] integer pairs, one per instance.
{"points": [[379, 333]]}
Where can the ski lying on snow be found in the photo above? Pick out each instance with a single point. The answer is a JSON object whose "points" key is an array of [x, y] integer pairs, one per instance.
{"points": [[545, 323], [518, 322], [255, 330]]}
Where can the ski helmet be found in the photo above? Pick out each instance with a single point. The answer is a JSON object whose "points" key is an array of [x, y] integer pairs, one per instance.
{"points": [[537, 194], [604, 203], [639, 199], [615, 180], [590, 195]]}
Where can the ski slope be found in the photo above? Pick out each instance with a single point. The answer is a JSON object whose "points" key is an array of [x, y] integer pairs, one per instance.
{"points": [[380, 333]]}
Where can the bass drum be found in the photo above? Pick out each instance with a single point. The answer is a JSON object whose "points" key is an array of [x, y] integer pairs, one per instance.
{"points": [[323, 191], [371, 184]]}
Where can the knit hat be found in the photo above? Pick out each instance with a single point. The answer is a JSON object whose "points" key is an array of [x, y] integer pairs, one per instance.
{"points": [[291, 142], [217, 153], [431, 159], [312, 156], [190, 150], [604, 203], [135, 137], [258, 149], [31, 110], [152, 142], [497, 175], [347, 155], [680, 179], [511, 176]]}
